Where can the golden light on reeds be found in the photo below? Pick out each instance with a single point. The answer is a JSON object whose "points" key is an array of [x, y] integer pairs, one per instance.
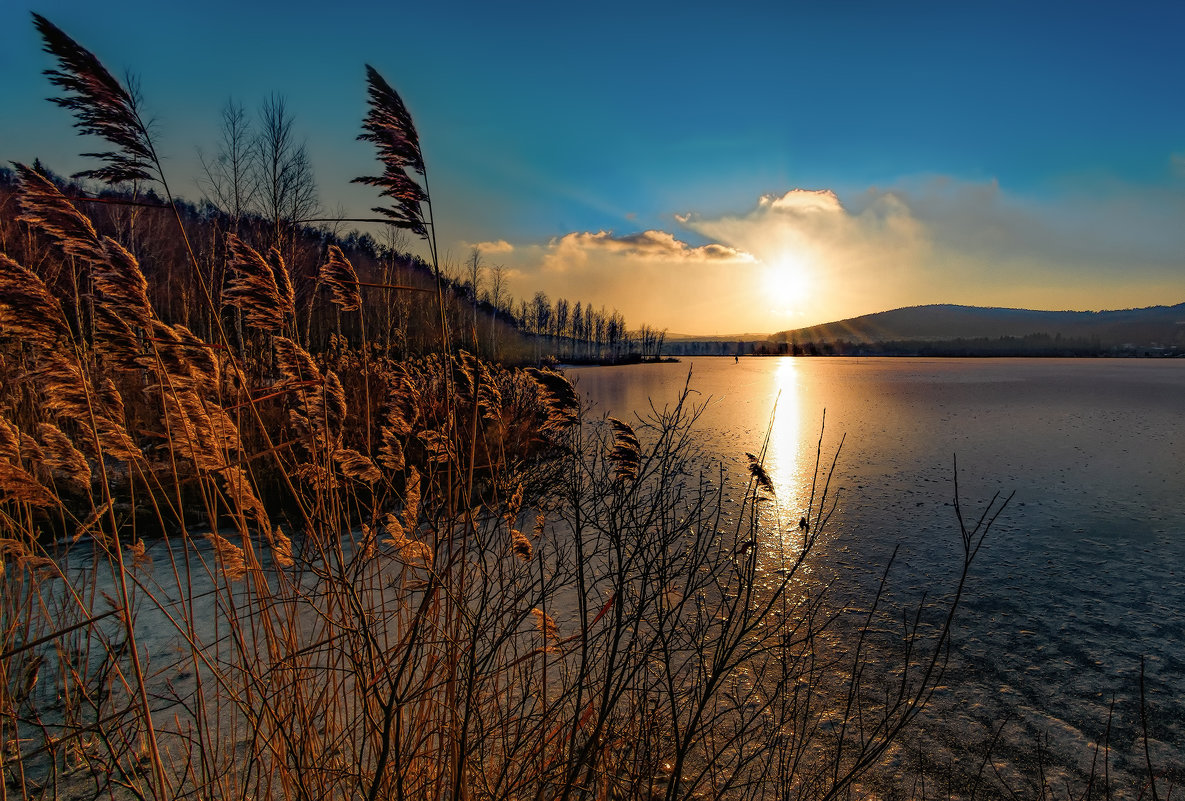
{"points": [[338, 274], [546, 627], [254, 286], [625, 452]]}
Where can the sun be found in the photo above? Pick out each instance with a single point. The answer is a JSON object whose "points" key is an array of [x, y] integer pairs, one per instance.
{"points": [[788, 281]]}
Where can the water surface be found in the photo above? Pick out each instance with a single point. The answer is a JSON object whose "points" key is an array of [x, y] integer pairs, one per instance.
{"points": [[1080, 578]]}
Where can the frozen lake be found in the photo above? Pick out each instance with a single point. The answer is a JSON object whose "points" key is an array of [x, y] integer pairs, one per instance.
{"points": [[1082, 575]]}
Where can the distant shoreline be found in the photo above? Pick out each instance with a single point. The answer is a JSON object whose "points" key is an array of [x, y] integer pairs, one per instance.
{"points": [[931, 355]]}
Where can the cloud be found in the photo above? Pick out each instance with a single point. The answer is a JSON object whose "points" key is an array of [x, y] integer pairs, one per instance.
{"points": [[653, 246], [499, 246]]}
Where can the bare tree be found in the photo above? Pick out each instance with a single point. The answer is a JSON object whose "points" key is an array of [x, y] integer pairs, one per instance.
{"points": [[498, 298], [473, 270], [559, 319], [541, 313], [287, 190], [230, 182]]}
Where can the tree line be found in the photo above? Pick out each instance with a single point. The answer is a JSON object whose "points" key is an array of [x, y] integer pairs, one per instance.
{"points": [[279, 214]]}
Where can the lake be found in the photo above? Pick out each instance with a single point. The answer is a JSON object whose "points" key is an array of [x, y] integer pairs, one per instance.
{"points": [[1080, 577]]}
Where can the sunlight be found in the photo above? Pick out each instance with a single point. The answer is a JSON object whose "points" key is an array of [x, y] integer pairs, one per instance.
{"points": [[788, 279], [785, 444]]}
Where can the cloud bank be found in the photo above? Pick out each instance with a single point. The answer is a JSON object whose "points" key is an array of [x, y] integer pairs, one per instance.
{"points": [[805, 256]]}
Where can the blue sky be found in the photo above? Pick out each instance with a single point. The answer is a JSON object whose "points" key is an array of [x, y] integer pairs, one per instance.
{"points": [[653, 157]]}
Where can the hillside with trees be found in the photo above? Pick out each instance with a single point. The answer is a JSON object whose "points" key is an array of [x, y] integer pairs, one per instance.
{"points": [[399, 309]]}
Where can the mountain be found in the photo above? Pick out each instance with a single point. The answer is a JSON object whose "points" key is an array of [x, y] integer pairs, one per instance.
{"points": [[1157, 327]]}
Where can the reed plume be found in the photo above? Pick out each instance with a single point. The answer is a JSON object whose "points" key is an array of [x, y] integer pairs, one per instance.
{"points": [[294, 362], [111, 399], [199, 432], [559, 397], [121, 305], [173, 357], [320, 408], [61, 457], [626, 453], [339, 275], [515, 502], [758, 471], [391, 451], [16, 445], [230, 556], [283, 280], [87, 525], [116, 340], [28, 311], [101, 107], [140, 557], [389, 126], [281, 548], [520, 545], [438, 446], [356, 466], [410, 550], [335, 401], [489, 397], [199, 355], [237, 486], [17, 484], [400, 410], [44, 207], [65, 388], [10, 441], [121, 283], [546, 626], [253, 289], [411, 501]]}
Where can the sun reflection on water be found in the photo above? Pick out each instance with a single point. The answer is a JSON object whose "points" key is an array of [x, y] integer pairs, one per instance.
{"points": [[785, 458]]}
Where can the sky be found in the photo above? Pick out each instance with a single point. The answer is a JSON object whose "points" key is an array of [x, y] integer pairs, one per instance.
{"points": [[703, 169]]}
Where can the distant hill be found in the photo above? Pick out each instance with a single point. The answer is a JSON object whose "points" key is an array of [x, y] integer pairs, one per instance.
{"points": [[1157, 327]]}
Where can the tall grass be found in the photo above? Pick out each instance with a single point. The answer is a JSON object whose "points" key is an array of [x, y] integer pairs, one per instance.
{"points": [[234, 567]]}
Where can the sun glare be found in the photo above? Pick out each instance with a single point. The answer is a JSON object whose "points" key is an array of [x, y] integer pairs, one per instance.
{"points": [[788, 280]]}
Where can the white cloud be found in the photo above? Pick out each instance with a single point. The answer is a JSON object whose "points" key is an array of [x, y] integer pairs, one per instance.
{"points": [[499, 246], [655, 246]]}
